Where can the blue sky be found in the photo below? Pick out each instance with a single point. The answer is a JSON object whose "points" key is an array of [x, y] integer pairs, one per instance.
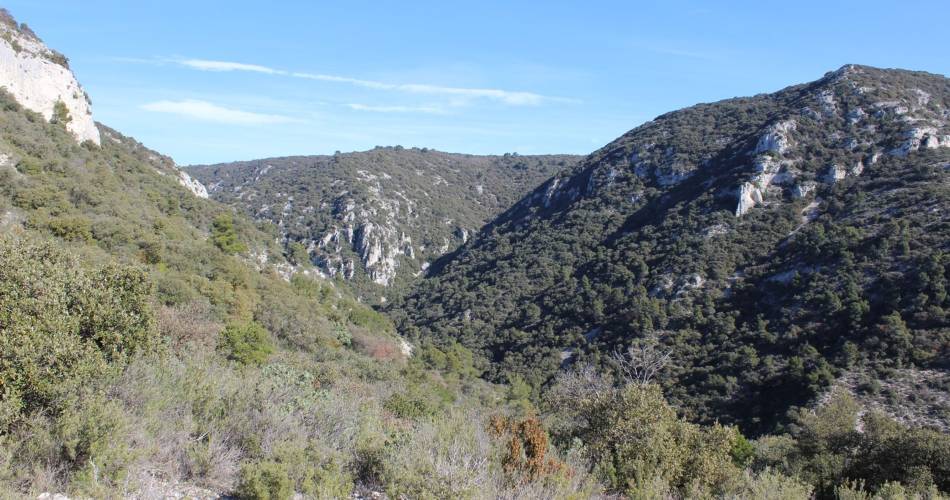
{"points": [[206, 81]]}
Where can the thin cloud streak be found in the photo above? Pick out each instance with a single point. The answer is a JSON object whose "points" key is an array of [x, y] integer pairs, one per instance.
{"points": [[206, 111], [206, 65], [512, 98]]}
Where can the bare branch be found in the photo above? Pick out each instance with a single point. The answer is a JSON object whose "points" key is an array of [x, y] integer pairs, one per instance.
{"points": [[643, 360]]}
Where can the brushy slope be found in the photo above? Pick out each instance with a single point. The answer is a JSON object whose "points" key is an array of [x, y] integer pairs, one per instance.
{"points": [[151, 337], [770, 242]]}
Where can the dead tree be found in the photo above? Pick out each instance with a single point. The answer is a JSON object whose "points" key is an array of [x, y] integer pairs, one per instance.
{"points": [[643, 360]]}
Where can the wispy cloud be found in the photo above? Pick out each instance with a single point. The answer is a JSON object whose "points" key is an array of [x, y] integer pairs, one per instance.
{"points": [[206, 65], [206, 111], [509, 97], [435, 110]]}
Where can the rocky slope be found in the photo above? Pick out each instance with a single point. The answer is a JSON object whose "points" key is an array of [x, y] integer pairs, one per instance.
{"points": [[770, 242], [379, 217], [39, 78]]}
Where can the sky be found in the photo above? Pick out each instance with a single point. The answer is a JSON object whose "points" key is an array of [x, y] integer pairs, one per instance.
{"points": [[215, 81]]}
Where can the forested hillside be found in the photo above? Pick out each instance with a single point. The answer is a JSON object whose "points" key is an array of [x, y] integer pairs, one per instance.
{"points": [[377, 218], [771, 243]]}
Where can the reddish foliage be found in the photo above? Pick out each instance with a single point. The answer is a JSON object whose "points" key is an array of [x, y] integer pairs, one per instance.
{"points": [[527, 449]]}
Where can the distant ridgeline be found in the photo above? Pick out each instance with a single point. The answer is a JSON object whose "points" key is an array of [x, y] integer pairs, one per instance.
{"points": [[378, 218], [775, 243]]}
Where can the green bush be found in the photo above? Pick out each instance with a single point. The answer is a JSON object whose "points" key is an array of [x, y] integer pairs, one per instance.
{"points": [[410, 404], [95, 437], [329, 481], [247, 343], [225, 236], [64, 323], [298, 254], [265, 481], [60, 113], [742, 451], [70, 228], [634, 439], [771, 485]]}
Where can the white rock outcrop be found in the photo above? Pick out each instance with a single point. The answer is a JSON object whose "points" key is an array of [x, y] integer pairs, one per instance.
{"points": [[776, 138], [38, 78], [753, 191], [921, 138], [197, 188], [749, 196], [804, 189], [836, 173]]}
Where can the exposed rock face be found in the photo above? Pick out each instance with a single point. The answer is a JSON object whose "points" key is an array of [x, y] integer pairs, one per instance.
{"points": [[767, 173], [776, 139], [749, 195], [39, 78], [804, 189], [921, 138], [379, 217], [193, 185]]}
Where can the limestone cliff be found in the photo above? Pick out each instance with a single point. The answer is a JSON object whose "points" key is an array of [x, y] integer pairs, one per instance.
{"points": [[39, 78]]}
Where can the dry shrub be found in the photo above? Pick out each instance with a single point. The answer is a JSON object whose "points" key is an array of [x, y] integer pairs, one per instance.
{"points": [[526, 455], [375, 346], [189, 326]]}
